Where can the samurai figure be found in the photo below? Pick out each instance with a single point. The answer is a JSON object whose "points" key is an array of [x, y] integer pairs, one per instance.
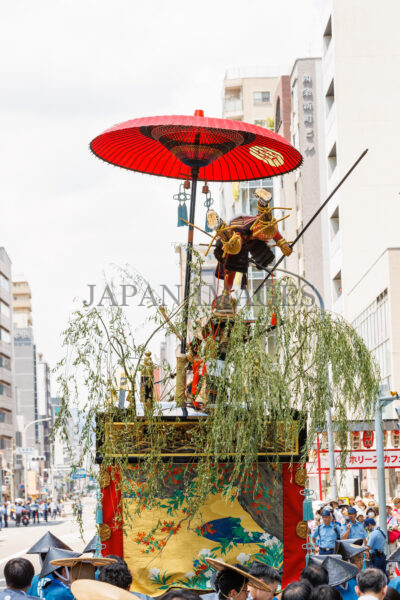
{"points": [[245, 237]]}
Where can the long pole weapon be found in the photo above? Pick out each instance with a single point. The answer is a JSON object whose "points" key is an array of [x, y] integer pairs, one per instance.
{"points": [[302, 232]]}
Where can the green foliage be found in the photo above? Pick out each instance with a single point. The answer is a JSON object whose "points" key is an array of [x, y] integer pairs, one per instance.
{"points": [[308, 364]]}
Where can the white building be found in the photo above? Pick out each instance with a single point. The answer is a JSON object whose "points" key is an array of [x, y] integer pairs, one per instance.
{"points": [[361, 86]]}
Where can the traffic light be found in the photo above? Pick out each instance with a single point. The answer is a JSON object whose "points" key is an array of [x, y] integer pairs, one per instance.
{"points": [[37, 458]]}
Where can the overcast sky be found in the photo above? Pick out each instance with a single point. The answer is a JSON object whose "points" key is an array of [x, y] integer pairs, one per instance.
{"points": [[69, 70]]}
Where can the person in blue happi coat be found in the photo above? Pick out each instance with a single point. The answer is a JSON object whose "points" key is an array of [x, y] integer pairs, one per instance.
{"points": [[41, 548], [353, 552], [58, 588]]}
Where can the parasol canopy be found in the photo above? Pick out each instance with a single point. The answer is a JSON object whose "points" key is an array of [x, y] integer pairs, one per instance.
{"points": [[219, 149]]}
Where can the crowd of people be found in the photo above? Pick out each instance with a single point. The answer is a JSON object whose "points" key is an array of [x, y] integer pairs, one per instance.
{"points": [[344, 575], [29, 511], [357, 520]]}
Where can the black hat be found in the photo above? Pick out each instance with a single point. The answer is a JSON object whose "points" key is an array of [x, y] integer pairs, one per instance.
{"points": [[53, 554], [47, 541], [339, 571], [318, 559], [358, 541], [395, 556], [92, 545], [347, 549]]}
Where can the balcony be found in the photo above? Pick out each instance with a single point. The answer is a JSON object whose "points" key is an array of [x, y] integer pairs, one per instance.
{"points": [[233, 107], [22, 303], [21, 288]]}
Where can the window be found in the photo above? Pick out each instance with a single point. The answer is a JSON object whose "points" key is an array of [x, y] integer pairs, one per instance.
{"points": [[332, 160], [330, 96], [337, 286], [261, 97], [4, 282], [373, 325], [5, 416], [334, 222], [5, 336], [4, 309], [328, 34], [5, 362], [5, 389], [5, 443]]}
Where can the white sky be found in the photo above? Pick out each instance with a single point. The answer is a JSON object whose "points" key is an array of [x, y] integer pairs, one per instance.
{"points": [[69, 70]]}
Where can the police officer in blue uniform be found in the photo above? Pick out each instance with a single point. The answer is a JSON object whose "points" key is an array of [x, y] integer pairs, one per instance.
{"points": [[41, 547], [352, 529], [18, 574], [376, 545], [325, 535]]}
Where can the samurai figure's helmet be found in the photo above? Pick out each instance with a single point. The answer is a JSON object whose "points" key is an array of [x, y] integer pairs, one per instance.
{"points": [[263, 199]]}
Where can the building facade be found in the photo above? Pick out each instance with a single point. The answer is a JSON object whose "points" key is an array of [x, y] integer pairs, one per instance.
{"points": [[7, 412], [360, 58], [299, 119]]}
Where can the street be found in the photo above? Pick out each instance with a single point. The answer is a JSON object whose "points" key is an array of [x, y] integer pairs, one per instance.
{"points": [[15, 541]]}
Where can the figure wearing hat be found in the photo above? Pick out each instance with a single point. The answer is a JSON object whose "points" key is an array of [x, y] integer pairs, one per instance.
{"points": [[326, 535], [351, 551], [58, 588], [246, 236], [352, 528], [41, 547], [339, 571], [376, 545], [232, 580]]}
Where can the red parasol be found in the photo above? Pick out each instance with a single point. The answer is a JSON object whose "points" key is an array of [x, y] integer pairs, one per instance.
{"points": [[221, 150], [195, 148]]}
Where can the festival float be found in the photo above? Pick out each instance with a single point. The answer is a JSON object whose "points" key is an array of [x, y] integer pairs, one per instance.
{"points": [[216, 469]]}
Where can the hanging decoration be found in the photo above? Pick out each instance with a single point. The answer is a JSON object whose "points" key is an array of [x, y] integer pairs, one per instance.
{"points": [[208, 202], [182, 197], [368, 439], [308, 513]]}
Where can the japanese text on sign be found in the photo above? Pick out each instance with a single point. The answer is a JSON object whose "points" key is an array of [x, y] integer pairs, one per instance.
{"points": [[358, 459], [308, 113]]}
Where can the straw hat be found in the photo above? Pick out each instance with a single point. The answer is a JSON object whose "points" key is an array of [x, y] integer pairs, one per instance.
{"points": [[219, 565], [89, 589], [83, 567], [98, 561]]}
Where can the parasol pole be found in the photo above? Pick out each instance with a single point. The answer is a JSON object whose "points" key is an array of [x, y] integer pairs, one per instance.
{"points": [[195, 176], [302, 232]]}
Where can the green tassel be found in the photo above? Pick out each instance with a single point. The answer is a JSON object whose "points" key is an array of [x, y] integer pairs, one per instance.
{"points": [[182, 214], [308, 513], [207, 228]]}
